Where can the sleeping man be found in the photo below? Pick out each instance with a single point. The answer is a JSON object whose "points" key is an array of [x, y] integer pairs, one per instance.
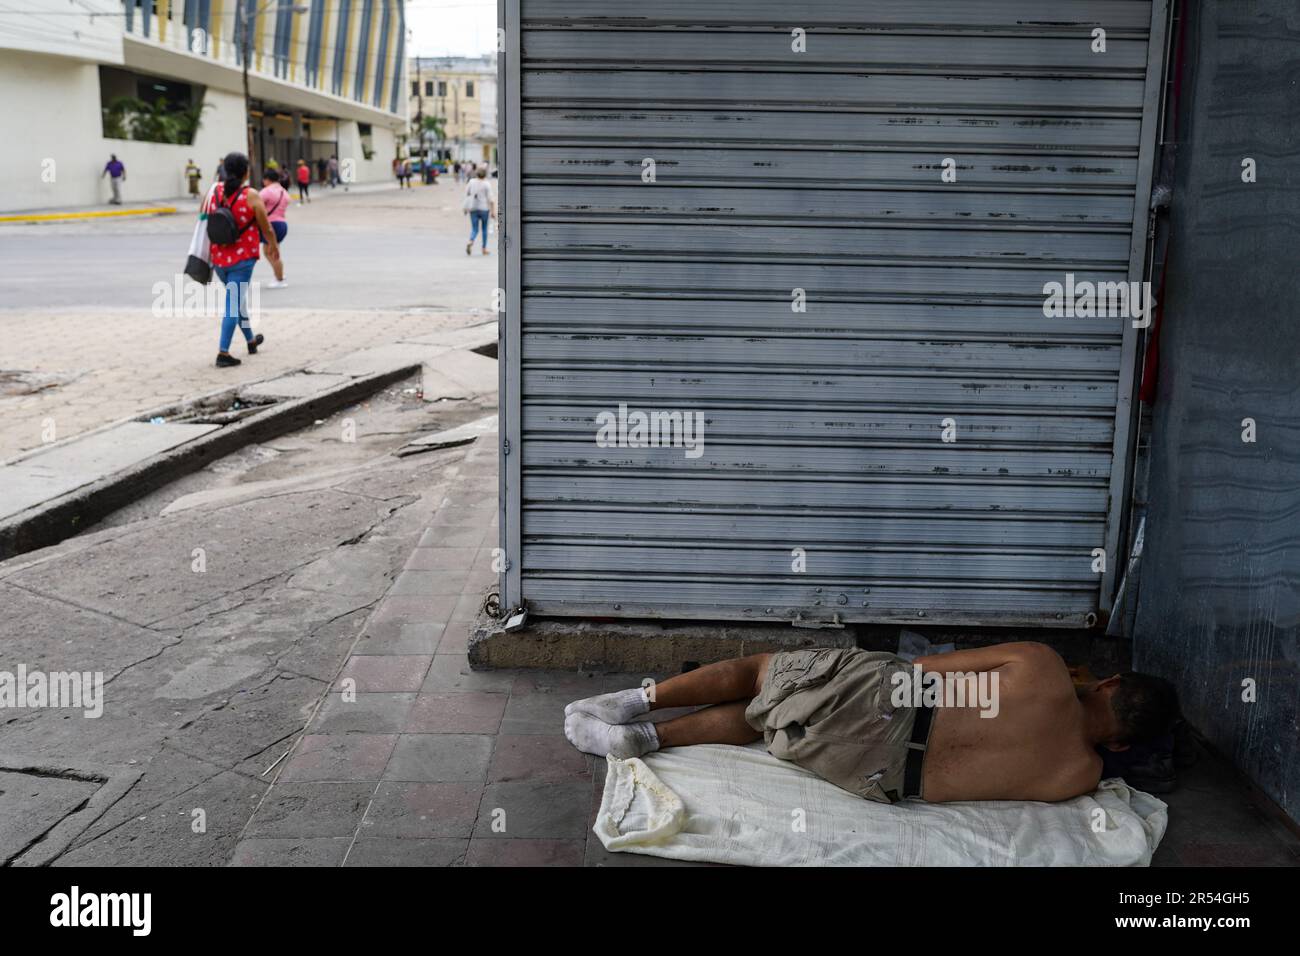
{"points": [[994, 723]]}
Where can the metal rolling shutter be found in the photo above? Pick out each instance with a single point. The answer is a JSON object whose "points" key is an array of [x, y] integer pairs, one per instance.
{"points": [[778, 170]]}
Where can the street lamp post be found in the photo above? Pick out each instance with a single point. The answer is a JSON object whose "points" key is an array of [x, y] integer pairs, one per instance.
{"points": [[244, 13], [419, 99]]}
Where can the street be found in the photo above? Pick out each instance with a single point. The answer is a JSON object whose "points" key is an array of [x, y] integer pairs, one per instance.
{"points": [[83, 346], [372, 248]]}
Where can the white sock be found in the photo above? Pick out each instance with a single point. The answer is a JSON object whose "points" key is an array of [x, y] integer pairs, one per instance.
{"points": [[593, 736], [616, 708]]}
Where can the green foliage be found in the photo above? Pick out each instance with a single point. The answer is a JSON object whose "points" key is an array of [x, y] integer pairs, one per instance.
{"points": [[129, 117], [437, 125]]}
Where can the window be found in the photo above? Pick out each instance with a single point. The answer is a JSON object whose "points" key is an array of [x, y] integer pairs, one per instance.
{"points": [[415, 88], [469, 88], [428, 87], [149, 108], [442, 87]]}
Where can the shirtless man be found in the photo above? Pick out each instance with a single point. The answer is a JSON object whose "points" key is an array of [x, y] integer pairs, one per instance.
{"points": [[850, 717]]}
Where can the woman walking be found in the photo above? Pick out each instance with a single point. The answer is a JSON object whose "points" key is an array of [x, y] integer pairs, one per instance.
{"points": [[304, 181], [479, 205], [233, 262], [276, 200]]}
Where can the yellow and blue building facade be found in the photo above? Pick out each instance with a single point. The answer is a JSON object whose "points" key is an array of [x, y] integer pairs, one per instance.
{"points": [[325, 78]]}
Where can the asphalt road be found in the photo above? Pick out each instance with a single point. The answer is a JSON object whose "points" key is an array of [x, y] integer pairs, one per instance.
{"points": [[385, 249]]}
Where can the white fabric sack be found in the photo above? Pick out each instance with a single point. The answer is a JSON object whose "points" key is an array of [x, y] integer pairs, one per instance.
{"points": [[198, 265], [741, 805], [200, 245]]}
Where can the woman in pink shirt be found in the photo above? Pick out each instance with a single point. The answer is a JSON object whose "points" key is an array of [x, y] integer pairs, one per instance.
{"points": [[276, 199]]}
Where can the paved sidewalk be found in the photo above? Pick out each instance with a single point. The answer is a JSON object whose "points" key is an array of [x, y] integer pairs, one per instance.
{"points": [[431, 763], [87, 378]]}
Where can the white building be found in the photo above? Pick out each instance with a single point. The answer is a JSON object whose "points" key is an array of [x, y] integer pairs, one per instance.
{"points": [[326, 77]]}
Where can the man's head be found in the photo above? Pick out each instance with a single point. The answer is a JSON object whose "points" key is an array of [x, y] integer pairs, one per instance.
{"points": [[269, 176], [481, 174], [1141, 708]]}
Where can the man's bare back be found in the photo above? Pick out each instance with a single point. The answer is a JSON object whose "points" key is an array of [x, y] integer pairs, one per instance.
{"points": [[1035, 748]]}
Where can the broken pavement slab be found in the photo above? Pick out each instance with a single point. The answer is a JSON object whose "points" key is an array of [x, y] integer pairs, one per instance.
{"points": [[294, 385], [460, 374], [50, 804], [55, 471], [380, 358], [471, 338], [450, 437], [60, 513]]}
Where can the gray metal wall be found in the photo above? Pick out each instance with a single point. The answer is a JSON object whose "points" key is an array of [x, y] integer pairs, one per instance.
{"points": [[777, 170], [1220, 574]]}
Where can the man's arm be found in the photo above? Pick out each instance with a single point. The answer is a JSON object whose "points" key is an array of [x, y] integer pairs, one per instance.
{"points": [[979, 659]]}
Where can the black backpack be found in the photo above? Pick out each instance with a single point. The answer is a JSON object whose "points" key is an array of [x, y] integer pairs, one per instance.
{"points": [[223, 228]]}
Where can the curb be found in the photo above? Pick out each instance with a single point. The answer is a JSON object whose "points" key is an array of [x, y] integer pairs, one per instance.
{"points": [[60, 518], [634, 646], [95, 214]]}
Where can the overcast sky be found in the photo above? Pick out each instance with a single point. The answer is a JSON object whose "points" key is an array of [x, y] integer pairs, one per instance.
{"points": [[452, 27]]}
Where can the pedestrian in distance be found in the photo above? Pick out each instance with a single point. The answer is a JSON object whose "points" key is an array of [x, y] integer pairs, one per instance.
{"points": [[322, 169], [480, 206], [116, 173], [333, 166], [236, 222], [193, 174], [304, 181], [276, 200]]}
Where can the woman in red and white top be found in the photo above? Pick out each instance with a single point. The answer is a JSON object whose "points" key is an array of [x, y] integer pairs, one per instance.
{"points": [[234, 262]]}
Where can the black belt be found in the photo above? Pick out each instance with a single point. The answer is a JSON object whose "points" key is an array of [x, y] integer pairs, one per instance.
{"points": [[916, 751]]}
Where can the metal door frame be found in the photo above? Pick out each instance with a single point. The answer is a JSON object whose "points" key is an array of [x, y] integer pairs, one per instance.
{"points": [[1126, 388], [510, 293]]}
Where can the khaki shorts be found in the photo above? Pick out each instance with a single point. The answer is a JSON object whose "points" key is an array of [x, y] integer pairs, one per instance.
{"points": [[829, 711]]}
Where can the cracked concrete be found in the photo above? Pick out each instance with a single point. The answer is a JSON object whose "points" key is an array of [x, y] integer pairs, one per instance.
{"points": [[214, 660]]}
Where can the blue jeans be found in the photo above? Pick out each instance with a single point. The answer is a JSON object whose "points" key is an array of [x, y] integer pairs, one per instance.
{"points": [[236, 279], [477, 218]]}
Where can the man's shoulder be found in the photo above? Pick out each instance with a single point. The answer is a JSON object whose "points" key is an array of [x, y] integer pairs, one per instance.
{"points": [[1037, 655], [1037, 667]]}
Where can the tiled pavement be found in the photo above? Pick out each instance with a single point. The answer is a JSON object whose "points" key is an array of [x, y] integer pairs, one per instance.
{"points": [[430, 763]]}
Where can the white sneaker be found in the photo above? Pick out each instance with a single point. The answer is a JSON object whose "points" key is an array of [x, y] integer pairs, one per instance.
{"points": [[277, 283]]}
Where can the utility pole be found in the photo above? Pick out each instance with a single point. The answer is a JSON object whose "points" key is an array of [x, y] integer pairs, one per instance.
{"points": [[244, 45], [245, 11], [419, 107]]}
